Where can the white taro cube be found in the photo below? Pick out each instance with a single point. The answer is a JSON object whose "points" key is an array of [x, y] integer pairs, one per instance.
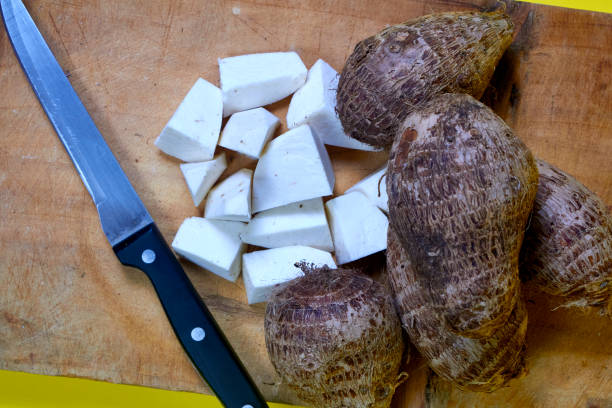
{"points": [[301, 223], [374, 187], [231, 199], [254, 80], [265, 271], [214, 245], [314, 104], [192, 132], [248, 132], [294, 167], [201, 176], [358, 227]]}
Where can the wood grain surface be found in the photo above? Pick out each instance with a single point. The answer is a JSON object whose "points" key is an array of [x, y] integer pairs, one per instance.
{"points": [[67, 307]]}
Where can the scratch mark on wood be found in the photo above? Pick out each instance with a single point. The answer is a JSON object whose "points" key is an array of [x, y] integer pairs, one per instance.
{"points": [[59, 34], [247, 23], [82, 33], [167, 29], [67, 3]]}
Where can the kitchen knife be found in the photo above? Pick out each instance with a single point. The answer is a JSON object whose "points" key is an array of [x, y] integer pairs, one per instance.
{"points": [[125, 221]]}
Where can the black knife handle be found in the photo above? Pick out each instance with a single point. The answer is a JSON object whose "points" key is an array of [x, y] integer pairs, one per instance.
{"points": [[195, 327]]}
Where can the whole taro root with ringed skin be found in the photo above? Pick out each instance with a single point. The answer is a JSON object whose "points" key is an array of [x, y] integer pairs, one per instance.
{"points": [[334, 337], [471, 364], [401, 68], [568, 246], [461, 187]]}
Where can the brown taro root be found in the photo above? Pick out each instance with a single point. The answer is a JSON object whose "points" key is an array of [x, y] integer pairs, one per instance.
{"points": [[568, 246], [472, 364], [461, 186], [401, 68], [334, 337]]}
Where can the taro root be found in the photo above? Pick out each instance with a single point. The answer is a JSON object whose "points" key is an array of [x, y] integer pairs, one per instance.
{"points": [[334, 337], [401, 68], [461, 187], [472, 364], [568, 246]]}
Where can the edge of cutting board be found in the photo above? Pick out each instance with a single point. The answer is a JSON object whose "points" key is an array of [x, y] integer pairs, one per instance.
{"points": [[20, 389]]}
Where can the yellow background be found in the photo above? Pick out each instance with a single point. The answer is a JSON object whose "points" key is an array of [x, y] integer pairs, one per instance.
{"points": [[20, 390], [593, 5], [31, 390]]}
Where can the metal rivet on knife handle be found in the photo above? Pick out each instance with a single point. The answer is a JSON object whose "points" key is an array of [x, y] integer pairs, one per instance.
{"points": [[198, 334], [148, 256]]}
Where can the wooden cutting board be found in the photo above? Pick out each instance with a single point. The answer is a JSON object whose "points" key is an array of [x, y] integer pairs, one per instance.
{"points": [[67, 307]]}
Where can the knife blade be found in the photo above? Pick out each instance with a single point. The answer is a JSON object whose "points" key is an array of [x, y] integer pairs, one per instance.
{"points": [[133, 235]]}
